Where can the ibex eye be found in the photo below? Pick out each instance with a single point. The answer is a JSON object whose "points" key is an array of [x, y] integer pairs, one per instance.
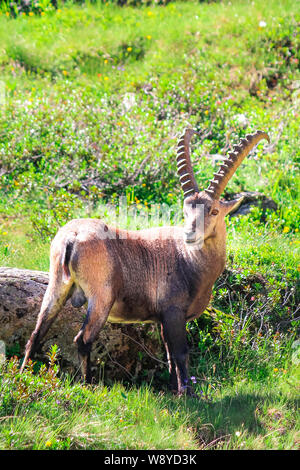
{"points": [[214, 212]]}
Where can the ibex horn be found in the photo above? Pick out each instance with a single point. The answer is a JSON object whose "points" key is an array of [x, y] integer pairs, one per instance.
{"points": [[230, 164], [184, 165]]}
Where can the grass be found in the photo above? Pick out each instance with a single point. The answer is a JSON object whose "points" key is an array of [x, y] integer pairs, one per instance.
{"points": [[92, 100], [45, 412]]}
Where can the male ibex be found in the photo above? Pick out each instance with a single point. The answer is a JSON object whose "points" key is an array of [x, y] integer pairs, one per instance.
{"points": [[152, 275]]}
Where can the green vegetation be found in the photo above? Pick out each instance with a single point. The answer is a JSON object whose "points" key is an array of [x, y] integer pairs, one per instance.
{"points": [[92, 100], [42, 411]]}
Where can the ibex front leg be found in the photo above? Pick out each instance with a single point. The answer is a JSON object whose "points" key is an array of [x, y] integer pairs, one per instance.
{"points": [[174, 335], [171, 363], [97, 313]]}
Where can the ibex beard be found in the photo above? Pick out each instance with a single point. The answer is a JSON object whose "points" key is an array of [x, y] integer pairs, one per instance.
{"points": [[163, 275]]}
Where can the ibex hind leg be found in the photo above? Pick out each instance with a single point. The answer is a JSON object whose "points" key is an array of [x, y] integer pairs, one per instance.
{"points": [[97, 313], [53, 301]]}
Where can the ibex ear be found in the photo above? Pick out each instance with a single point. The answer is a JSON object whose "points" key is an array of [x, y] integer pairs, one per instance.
{"points": [[232, 206]]}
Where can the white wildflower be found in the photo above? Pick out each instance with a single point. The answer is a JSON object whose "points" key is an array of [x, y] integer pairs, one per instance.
{"points": [[262, 24]]}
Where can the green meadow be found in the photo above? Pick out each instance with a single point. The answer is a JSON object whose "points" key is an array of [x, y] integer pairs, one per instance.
{"points": [[93, 98]]}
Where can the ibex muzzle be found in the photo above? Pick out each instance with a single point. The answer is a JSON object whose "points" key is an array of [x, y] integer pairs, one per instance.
{"points": [[162, 275]]}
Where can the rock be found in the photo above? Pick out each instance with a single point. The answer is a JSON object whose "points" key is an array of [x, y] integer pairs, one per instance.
{"points": [[252, 198], [120, 352]]}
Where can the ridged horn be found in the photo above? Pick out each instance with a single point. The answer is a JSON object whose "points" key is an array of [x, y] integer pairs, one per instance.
{"points": [[231, 164], [184, 165]]}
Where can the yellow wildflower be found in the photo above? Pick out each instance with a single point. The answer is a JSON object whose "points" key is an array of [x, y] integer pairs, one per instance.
{"points": [[105, 78], [65, 73], [48, 444], [31, 13], [286, 230], [129, 49], [149, 37]]}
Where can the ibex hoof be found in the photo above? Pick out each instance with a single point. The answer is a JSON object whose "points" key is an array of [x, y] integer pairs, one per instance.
{"points": [[187, 391]]}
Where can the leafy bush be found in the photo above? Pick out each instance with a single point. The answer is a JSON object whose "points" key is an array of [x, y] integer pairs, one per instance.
{"points": [[26, 7], [25, 388]]}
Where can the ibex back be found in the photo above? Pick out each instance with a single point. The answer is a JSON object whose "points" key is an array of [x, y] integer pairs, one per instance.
{"points": [[162, 275]]}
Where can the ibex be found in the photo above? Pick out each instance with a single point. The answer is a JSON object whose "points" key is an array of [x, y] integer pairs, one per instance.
{"points": [[151, 275]]}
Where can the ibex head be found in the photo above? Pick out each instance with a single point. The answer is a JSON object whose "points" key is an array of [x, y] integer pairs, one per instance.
{"points": [[204, 211]]}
